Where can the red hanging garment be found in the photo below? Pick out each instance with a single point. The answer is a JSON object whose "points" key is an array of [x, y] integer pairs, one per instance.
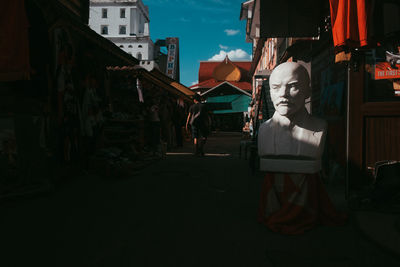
{"points": [[349, 22], [14, 44]]}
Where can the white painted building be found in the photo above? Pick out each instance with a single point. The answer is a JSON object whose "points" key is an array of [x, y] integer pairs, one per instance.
{"points": [[125, 23]]}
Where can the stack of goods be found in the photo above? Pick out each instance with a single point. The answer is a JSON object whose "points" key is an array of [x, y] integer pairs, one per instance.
{"points": [[122, 146]]}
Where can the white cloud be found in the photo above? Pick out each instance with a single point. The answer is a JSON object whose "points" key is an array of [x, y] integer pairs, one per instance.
{"points": [[195, 82], [238, 54], [223, 47], [231, 32]]}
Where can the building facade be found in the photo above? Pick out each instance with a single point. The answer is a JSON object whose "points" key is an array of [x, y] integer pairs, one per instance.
{"points": [[359, 101], [125, 23], [226, 88]]}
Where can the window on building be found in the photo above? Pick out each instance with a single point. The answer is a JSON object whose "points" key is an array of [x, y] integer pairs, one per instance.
{"points": [[121, 46], [130, 46], [104, 29], [139, 56], [104, 13], [140, 46], [122, 13], [122, 29]]}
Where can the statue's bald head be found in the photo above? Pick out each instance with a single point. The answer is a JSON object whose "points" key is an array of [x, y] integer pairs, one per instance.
{"points": [[289, 87], [294, 69]]}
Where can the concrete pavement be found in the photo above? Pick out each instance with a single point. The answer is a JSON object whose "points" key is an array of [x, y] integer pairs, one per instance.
{"points": [[180, 211]]}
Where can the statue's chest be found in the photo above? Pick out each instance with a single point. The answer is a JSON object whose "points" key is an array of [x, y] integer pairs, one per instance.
{"points": [[296, 141]]}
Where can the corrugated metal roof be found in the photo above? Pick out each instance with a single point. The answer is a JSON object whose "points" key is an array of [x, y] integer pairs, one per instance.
{"points": [[157, 79], [211, 83], [172, 82]]}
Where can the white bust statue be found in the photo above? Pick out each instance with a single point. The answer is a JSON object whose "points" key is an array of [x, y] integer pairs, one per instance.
{"points": [[292, 140]]}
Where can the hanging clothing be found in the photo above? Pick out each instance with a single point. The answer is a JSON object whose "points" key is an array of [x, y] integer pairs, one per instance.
{"points": [[294, 203], [139, 90], [350, 20], [14, 41], [91, 114]]}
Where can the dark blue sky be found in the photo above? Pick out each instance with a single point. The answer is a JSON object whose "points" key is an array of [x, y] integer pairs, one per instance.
{"points": [[205, 28]]}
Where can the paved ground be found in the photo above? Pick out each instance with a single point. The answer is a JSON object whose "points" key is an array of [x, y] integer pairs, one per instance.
{"points": [[180, 211]]}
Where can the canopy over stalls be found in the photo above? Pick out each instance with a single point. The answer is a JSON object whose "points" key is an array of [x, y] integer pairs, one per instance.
{"points": [[180, 87], [156, 79]]}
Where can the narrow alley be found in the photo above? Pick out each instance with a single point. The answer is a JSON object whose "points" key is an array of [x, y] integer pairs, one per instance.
{"points": [[105, 106]]}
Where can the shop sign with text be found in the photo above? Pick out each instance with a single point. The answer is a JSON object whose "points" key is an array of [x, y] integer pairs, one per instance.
{"points": [[384, 70]]}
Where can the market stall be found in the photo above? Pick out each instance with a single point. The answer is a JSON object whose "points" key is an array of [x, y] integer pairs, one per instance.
{"points": [[134, 94], [53, 96]]}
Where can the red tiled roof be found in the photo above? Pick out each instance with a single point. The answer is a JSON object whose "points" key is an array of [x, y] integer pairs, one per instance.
{"points": [[211, 83], [207, 67]]}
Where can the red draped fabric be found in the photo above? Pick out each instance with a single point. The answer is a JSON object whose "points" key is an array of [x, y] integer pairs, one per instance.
{"points": [[349, 22], [294, 203], [14, 45]]}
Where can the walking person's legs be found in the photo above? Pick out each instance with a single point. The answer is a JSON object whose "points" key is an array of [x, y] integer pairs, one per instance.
{"points": [[203, 141], [196, 140], [202, 138], [196, 146]]}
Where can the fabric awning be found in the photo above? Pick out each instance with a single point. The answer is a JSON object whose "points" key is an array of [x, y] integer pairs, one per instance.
{"points": [[288, 18]]}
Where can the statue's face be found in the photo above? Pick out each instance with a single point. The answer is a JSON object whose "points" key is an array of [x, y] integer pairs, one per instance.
{"points": [[289, 87]]}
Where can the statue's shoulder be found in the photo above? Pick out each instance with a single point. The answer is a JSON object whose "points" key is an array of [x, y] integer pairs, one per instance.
{"points": [[266, 125]]}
